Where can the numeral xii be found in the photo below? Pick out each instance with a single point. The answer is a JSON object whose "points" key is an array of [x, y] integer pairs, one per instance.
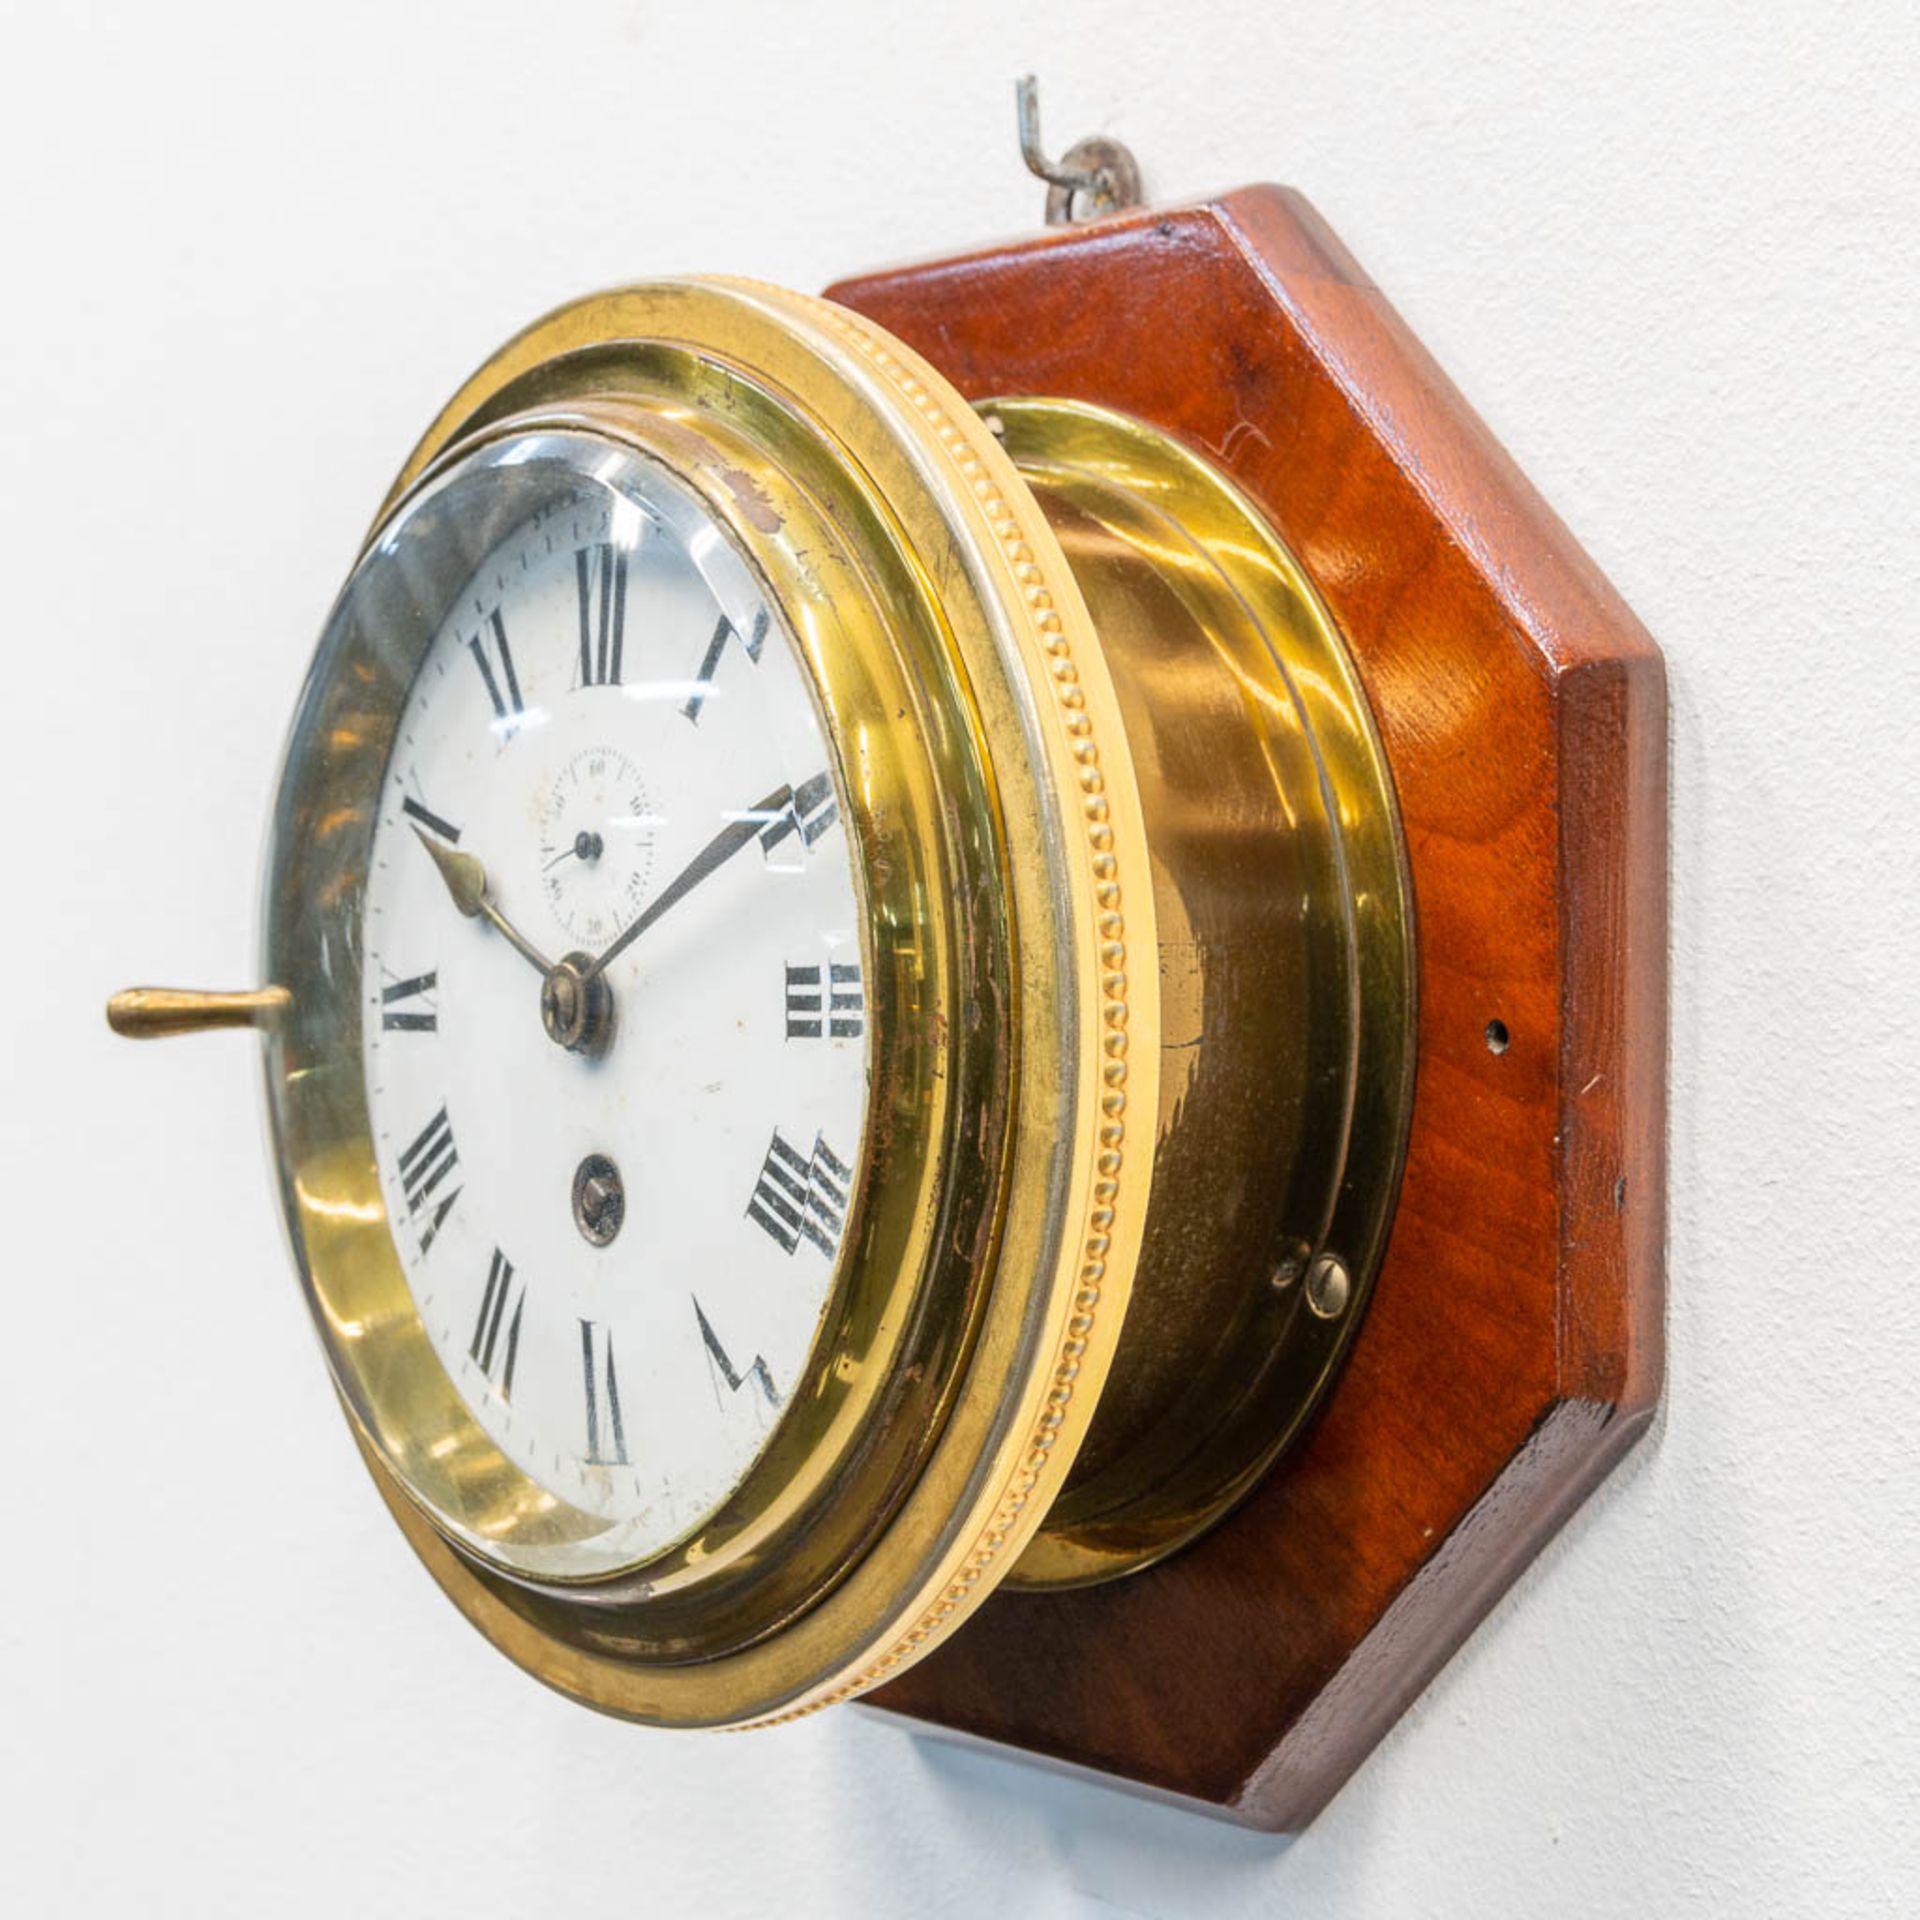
{"points": [[600, 573]]}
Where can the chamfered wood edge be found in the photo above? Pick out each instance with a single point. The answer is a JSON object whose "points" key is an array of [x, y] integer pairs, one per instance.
{"points": [[1606, 683], [1611, 719], [1613, 888], [1433, 1616], [1550, 587], [1612, 723], [1548, 583], [1609, 682]]}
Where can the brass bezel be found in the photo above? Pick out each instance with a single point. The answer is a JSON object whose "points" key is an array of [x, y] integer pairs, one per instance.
{"points": [[891, 1320], [883, 512]]}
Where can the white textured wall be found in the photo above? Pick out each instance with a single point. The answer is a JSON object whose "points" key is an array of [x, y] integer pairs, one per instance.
{"points": [[1668, 249]]}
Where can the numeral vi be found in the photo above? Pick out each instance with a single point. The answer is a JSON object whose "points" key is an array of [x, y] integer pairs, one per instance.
{"points": [[606, 1438]]}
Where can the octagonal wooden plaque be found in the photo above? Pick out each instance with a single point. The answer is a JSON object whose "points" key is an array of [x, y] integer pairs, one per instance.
{"points": [[1513, 1348]]}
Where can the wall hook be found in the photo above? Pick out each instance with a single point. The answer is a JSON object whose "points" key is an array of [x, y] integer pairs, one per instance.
{"points": [[1094, 177]]}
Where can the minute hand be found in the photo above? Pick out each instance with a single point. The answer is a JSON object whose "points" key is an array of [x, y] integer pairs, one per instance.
{"points": [[715, 854]]}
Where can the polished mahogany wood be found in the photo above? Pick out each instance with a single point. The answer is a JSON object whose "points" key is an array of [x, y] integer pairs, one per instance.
{"points": [[1513, 1348]]}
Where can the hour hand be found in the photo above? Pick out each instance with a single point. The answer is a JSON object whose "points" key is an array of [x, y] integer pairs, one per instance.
{"points": [[466, 882]]}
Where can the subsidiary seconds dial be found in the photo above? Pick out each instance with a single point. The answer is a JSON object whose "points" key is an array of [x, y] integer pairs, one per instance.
{"points": [[612, 989], [596, 845]]}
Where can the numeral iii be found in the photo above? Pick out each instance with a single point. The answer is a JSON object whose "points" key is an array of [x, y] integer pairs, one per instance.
{"points": [[835, 1007]]}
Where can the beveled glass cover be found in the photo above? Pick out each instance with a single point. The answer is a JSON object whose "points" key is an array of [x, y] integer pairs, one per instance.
{"points": [[556, 716]]}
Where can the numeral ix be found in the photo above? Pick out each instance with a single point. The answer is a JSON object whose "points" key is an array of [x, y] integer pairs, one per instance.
{"points": [[397, 1017]]}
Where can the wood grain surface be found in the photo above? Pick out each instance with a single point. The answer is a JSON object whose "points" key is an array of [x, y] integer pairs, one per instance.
{"points": [[1514, 1345]]}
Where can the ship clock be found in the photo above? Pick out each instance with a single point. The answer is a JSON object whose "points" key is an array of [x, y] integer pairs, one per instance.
{"points": [[839, 1008]]}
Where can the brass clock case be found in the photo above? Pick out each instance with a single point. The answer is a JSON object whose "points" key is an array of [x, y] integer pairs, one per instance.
{"points": [[996, 1225], [1139, 944], [1285, 918]]}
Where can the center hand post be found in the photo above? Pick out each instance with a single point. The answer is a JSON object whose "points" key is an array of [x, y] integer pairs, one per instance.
{"points": [[576, 1007]]}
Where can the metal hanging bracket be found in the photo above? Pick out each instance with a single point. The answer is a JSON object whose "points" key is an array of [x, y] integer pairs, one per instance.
{"points": [[1095, 177]]}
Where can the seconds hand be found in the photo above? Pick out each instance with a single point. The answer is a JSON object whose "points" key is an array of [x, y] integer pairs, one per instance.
{"points": [[715, 854]]}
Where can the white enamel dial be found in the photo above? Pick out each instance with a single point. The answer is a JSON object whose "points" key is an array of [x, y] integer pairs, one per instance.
{"points": [[608, 699]]}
